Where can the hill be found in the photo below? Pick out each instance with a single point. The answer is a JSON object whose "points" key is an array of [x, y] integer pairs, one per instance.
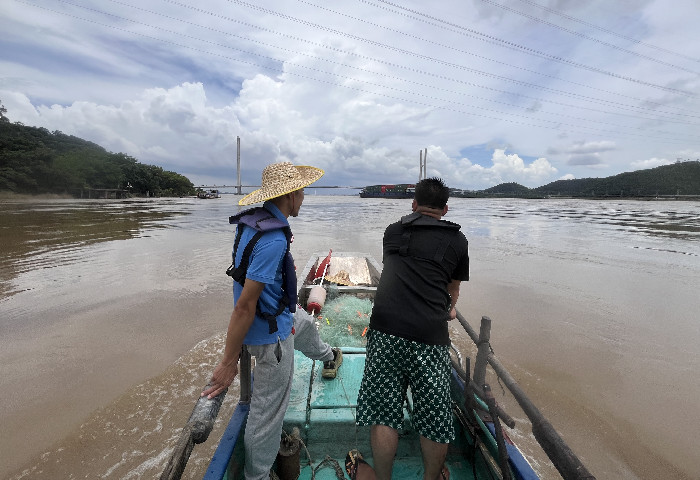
{"points": [[34, 160], [508, 189], [680, 179]]}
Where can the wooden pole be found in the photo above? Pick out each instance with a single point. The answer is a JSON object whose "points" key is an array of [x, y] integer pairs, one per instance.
{"points": [[472, 387], [563, 458], [483, 350], [500, 441], [196, 430]]}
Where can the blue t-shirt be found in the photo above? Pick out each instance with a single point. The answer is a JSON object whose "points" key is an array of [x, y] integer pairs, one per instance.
{"points": [[265, 266]]}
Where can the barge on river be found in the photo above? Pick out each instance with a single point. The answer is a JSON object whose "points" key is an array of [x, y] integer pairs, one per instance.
{"points": [[401, 190]]}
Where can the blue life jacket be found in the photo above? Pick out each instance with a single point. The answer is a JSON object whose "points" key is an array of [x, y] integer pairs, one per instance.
{"points": [[262, 220]]}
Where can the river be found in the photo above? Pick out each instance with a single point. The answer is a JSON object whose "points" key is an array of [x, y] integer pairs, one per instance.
{"points": [[112, 314]]}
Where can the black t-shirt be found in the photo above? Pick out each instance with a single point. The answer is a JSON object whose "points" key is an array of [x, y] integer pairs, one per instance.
{"points": [[422, 255]]}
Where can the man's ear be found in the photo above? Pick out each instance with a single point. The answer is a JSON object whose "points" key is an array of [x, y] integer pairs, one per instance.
{"points": [[444, 210], [414, 205]]}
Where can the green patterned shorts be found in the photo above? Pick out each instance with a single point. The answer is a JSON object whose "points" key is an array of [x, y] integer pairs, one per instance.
{"points": [[392, 365]]}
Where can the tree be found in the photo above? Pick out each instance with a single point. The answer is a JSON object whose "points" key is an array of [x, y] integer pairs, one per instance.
{"points": [[34, 161], [3, 111]]}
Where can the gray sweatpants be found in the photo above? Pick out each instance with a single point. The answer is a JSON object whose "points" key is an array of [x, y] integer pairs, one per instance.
{"points": [[271, 387]]}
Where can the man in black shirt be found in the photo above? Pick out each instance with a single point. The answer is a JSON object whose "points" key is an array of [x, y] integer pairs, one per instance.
{"points": [[425, 259]]}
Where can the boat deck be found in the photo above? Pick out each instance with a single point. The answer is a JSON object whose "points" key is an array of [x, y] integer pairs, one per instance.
{"points": [[324, 411]]}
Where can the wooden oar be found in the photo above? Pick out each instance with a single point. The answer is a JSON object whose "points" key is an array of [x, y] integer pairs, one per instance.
{"points": [[196, 430]]}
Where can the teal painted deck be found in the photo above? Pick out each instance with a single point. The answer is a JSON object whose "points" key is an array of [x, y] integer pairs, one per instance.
{"points": [[325, 416], [324, 411]]}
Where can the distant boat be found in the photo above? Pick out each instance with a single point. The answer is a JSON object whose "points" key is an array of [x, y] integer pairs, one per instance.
{"points": [[209, 194], [401, 190]]}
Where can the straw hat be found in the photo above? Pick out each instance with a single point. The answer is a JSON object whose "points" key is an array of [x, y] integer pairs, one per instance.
{"points": [[281, 178]]}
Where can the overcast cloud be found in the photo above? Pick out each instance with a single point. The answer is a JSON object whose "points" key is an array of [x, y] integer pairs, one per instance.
{"points": [[526, 91]]}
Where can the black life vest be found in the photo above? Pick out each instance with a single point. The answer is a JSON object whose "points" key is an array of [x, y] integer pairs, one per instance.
{"points": [[262, 220], [417, 219]]}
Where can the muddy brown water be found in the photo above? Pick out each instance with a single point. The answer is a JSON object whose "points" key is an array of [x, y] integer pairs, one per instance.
{"points": [[112, 316]]}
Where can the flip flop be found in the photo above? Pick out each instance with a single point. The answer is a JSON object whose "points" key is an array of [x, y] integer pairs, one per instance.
{"points": [[352, 460], [445, 473]]}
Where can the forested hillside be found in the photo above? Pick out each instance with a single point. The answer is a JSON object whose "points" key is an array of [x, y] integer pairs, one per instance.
{"points": [[36, 161], [679, 180]]}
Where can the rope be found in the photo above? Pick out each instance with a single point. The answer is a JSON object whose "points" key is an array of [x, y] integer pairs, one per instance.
{"points": [[326, 461], [333, 463]]}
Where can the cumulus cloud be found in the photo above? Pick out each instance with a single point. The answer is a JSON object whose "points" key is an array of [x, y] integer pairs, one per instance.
{"points": [[650, 163], [505, 168], [179, 129], [327, 87]]}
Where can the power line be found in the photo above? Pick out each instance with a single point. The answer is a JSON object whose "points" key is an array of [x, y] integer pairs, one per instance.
{"points": [[611, 32], [395, 65], [552, 124], [466, 52], [592, 39], [521, 48], [366, 70], [499, 62]]}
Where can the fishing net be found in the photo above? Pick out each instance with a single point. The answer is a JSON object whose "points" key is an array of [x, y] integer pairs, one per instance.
{"points": [[344, 319]]}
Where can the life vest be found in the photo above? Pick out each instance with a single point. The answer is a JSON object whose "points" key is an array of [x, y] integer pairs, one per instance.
{"points": [[417, 219], [262, 220]]}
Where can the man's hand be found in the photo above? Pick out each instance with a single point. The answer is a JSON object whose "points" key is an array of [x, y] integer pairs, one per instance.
{"points": [[221, 379], [453, 291], [241, 319]]}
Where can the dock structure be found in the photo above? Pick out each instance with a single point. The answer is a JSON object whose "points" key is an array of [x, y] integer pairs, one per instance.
{"points": [[107, 193]]}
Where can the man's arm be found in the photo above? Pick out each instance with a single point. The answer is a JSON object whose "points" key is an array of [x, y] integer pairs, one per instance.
{"points": [[241, 319], [453, 290]]}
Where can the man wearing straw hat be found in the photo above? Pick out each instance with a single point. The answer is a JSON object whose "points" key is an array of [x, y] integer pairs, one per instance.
{"points": [[263, 321]]}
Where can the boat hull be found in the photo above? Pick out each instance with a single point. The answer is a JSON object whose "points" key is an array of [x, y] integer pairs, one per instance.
{"points": [[324, 412]]}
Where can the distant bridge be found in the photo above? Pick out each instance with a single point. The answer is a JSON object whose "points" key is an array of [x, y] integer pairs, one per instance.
{"points": [[238, 187]]}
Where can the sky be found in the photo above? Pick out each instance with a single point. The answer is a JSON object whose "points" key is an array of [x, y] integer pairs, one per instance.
{"points": [[495, 91]]}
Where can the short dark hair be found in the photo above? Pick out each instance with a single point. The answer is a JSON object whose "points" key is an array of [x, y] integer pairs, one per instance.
{"points": [[432, 192]]}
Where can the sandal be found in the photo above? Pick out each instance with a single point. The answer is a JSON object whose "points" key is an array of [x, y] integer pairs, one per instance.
{"points": [[444, 473], [352, 460]]}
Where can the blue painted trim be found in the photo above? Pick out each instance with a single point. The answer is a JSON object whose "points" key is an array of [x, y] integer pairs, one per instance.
{"points": [[520, 467], [219, 462]]}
